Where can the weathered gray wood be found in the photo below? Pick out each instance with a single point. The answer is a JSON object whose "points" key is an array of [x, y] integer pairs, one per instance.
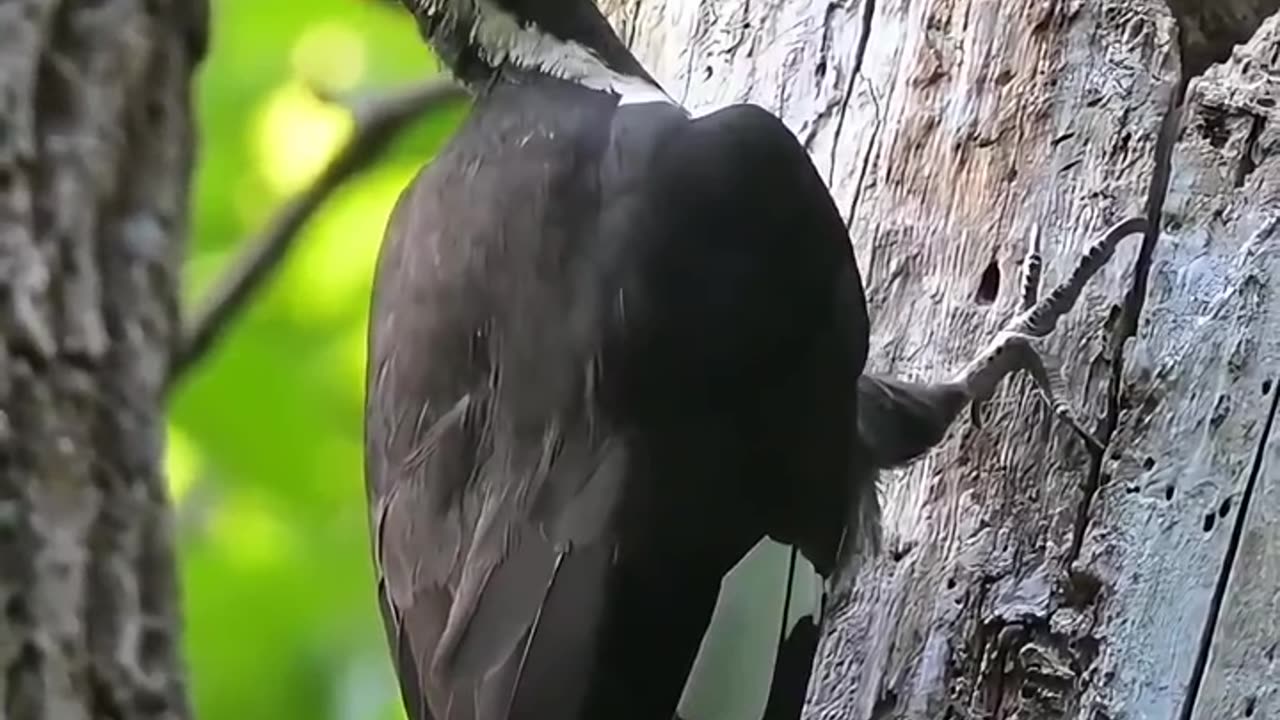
{"points": [[1243, 675], [1016, 582], [1193, 413], [1214, 314], [95, 159]]}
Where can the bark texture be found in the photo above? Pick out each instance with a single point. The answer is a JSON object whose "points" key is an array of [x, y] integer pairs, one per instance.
{"points": [[95, 161], [1020, 579]]}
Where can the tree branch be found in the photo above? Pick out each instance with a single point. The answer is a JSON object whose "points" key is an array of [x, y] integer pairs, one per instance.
{"points": [[378, 120]]}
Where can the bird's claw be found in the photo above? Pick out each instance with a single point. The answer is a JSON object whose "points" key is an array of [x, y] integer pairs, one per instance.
{"points": [[1021, 353], [1014, 347]]}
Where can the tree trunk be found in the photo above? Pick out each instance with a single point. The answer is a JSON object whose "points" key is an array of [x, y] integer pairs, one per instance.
{"points": [[1019, 578], [95, 161]]}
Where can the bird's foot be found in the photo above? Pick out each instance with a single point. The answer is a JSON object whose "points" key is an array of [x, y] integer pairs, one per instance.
{"points": [[1015, 347]]}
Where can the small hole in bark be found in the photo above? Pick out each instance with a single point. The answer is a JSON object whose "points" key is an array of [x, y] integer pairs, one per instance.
{"points": [[1168, 493], [1209, 520], [1266, 387], [1148, 463], [1121, 146], [707, 72], [989, 286], [1224, 508], [1113, 316], [155, 644], [16, 610], [1215, 129], [155, 112], [951, 583], [1250, 705], [1082, 588]]}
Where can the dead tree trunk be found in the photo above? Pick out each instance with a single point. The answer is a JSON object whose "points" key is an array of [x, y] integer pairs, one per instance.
{"points": [[95, 159], [1019, 578]]}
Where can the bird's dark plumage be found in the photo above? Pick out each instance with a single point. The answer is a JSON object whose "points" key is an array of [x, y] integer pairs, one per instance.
{"points": [[606, 356]]}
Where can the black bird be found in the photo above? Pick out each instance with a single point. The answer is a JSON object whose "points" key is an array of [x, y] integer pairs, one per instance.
{"points": [[612, 347]]}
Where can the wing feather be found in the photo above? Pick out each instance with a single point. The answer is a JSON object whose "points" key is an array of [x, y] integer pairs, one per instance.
{"points": [[480, 609]]}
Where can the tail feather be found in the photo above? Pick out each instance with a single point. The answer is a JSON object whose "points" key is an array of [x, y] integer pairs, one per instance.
{"points": [[792, 671]]}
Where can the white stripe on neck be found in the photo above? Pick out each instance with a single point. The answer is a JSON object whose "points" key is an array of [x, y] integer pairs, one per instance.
{"points": [[500, 37]]}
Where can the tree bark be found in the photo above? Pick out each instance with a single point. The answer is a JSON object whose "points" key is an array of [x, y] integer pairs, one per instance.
{"points": [[1019, 578], [95, 161]]}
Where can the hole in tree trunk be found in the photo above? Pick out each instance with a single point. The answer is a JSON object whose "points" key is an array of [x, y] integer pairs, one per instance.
{"points": [[989, 285]]}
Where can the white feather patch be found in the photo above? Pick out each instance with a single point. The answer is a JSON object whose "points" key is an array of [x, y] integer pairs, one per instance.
{"points": [[500, 37]]}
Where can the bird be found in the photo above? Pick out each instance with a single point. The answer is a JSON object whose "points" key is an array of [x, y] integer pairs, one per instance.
{"points": [[614, 344]]}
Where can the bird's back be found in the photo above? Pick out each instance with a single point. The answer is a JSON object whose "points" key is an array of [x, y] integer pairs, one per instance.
{"points": [[567, 429]]}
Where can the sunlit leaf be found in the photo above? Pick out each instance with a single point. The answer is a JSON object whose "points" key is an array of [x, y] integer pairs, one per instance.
{"points": [[296, 135]]}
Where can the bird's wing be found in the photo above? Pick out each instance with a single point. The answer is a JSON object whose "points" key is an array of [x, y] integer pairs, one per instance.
{"points": [[492, 484], [468, 587], [496, 535]]}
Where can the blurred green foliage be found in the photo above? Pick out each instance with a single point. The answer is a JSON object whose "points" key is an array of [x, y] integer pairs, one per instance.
{"points": [[264, 456]]}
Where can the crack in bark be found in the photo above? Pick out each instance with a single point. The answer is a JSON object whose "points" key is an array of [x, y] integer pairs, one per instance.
{"points": [[859, 53], [1131, 309], [809, 131], [865, 163], [696, 36], [1233, 549], [633, 24]]}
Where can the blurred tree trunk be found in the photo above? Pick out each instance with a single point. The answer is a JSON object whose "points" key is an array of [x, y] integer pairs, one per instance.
{"points": [[1020, 579], [95, 163]]}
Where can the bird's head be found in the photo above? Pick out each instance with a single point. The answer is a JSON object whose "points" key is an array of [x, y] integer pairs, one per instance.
{"points": [[570, 39]]}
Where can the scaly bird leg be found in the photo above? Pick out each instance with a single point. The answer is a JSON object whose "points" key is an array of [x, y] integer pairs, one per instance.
{"points": [[1014, 347], [1032, 267], [898, 421]]}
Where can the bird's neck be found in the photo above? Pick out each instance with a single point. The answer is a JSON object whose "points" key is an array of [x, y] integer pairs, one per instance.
{"points": [[571, 40]]}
